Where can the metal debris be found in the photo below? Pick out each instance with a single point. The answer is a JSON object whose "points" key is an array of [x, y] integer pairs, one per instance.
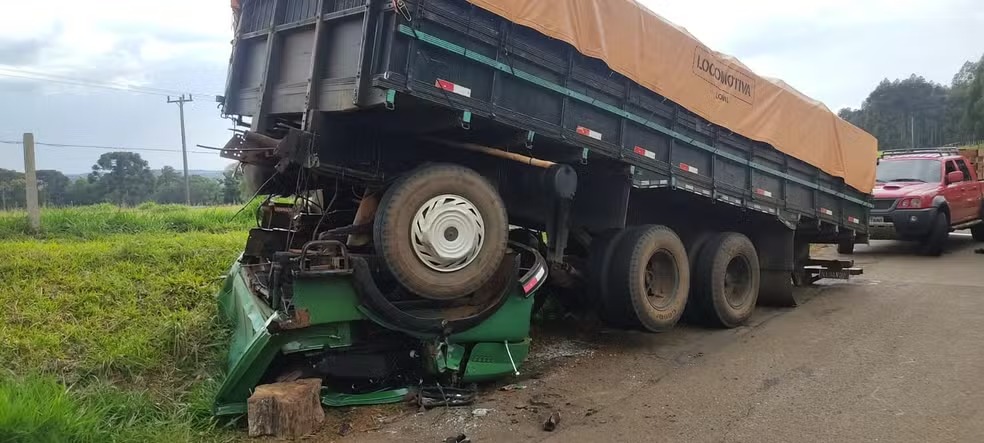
{"points": [[460, 438], [551, 423]]}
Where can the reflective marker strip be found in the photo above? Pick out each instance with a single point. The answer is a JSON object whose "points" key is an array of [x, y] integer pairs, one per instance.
{"points": [[533, 281], [826, 211], [689, 168], [451, 87], [644, 152], [853, 220], [588, 133], [763, 192]]}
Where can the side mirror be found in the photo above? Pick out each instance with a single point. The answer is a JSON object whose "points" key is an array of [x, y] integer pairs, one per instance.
{"points": [[954, 177]]}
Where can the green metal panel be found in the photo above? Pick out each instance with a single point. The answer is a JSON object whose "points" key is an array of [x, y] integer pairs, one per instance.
{"points": [[318, 337], [327, 299], [489, 361], [252, 347], [510, 323], [335, 399]]}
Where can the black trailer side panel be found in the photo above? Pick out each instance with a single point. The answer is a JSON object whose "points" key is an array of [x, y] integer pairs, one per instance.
{"points": [[512, 78]]}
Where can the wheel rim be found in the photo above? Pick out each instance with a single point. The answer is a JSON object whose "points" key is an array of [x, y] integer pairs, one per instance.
{"points": [[661, 279], [447, 233], [737, 281]]}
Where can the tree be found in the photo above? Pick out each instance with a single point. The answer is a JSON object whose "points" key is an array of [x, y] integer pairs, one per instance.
{"points": [[231, 187], [123, 177], [915, 112], [84, 192], [53, 187], [170, 187], [11, 189], [972, 121], [204, 190], [905, 113], [169, 176]]}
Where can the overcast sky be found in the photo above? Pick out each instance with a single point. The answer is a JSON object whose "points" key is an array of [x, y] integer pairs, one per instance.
{"points": [[833, 50]]}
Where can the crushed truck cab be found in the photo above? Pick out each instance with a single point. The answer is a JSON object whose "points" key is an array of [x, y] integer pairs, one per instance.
{"points": [[319, 313]]}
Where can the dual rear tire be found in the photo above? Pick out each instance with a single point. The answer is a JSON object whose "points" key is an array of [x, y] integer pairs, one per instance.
{"points": [[643, 278], [648, 279], [726, 281]]}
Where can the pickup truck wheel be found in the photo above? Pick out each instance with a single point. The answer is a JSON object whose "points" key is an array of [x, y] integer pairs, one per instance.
{"points": [[649, 279], [441, 229], [935, 241], [977, 231], [726, 280]]}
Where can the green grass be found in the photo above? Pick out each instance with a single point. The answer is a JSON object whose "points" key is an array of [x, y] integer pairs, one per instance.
{"points": [[94, 221], [110, 333]]}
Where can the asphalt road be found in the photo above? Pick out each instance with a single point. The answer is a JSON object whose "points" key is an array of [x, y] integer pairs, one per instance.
{"points": [[895, 355]]}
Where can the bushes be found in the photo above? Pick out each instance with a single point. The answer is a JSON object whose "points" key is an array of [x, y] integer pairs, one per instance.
{"points": [[109, 331], [98, 220]]}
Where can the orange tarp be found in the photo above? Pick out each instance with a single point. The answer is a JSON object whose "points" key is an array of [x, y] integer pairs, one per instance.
{"points": [[639, 44]]}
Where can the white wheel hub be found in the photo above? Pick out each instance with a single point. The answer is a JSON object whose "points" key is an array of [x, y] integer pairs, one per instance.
{"points": [[447, 233]]}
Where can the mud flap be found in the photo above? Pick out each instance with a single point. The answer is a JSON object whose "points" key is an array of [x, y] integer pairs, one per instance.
{"points": [[776, 289], [775, 250]]}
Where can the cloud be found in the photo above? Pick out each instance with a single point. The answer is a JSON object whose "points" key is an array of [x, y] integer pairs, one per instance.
{"points": [[833, 50], [21, 52], [837, 50]]}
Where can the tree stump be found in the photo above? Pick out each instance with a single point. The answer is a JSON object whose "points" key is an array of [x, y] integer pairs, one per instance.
{"points": [[289, 409]]}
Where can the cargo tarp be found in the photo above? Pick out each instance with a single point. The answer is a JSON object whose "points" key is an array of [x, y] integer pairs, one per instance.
{"points": [[666, 59]]}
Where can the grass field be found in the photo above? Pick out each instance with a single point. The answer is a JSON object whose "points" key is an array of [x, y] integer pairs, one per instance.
{"points": [[109, 331]]}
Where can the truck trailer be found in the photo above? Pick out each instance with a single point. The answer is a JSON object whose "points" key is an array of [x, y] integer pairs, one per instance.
{"points": [[436, 167]]}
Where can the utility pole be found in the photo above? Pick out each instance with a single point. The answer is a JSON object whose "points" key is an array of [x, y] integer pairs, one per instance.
{"points": [[184, 147], [31, 184]]}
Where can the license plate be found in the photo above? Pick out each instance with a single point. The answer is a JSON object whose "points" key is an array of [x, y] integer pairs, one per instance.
{"points": [[877, 220], [840, 275]]}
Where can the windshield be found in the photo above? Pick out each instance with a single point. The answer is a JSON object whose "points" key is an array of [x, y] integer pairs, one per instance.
{"points": [[901, 170]]}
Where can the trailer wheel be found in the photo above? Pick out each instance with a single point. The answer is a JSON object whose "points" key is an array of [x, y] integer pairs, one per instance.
{"points": [[648, 279], [726, 280], [599, 261], [442, 230]]}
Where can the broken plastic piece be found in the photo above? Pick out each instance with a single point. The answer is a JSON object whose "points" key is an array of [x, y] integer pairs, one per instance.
{"points": [[511, 361]]}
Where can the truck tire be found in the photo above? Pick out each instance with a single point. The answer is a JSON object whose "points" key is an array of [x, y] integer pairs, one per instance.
{"points": [[845, 247], [442, 230], [726, 280], [935, 241], [648, 279], [600, 253]]}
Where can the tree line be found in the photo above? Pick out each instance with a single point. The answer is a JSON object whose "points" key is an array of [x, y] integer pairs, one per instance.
{"points": [[121, 178], [916, 113]]}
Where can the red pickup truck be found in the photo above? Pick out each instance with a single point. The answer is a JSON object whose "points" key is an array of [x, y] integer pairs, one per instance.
{"points": [[923, 195]]}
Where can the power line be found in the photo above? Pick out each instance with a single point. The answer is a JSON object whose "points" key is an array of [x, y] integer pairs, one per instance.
{"points": [[111, 148], [54, 78]]}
